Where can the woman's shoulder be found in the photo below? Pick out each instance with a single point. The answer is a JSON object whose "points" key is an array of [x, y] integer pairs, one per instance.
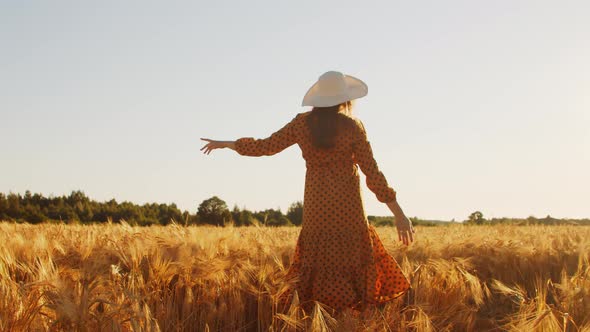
{"points": [[299, 118], [356, 120], [354, 123], [302, 115]]}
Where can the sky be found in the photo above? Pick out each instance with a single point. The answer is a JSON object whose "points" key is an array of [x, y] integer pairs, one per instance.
{"points": [[472, 105]]}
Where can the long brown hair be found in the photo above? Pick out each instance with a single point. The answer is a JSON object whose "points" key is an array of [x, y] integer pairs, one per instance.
{"points": [[325, 122]]}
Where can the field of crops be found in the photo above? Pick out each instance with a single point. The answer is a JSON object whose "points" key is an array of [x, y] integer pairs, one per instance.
{"points": [[174, 278]]}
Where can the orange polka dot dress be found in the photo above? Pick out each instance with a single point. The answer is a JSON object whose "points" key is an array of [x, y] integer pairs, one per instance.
{"points": [[339, 259]]}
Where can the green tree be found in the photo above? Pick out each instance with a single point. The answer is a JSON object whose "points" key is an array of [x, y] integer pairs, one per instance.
{"points": [[33, 215], [77, 196], [295, 213], [271, 217], [3, 207], [279, 221], [214, 211], [235, 215], [13, 206], [476, 218]]}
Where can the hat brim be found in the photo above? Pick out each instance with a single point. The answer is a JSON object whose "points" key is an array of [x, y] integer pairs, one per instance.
{"points": [[355, 88]]}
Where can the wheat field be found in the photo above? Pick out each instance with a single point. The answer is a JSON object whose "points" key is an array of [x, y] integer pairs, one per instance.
{"points": [[116, 277]]}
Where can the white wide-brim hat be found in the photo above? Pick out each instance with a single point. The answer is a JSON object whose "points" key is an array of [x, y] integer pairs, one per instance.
{"points": [[333, 88]]}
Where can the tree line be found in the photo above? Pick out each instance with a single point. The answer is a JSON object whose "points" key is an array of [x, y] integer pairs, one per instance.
{"points": [[477, 218], [79, 208]]}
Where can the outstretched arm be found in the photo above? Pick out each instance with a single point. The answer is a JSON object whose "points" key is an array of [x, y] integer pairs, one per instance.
{"points": [[248, 146], [212, 145]]}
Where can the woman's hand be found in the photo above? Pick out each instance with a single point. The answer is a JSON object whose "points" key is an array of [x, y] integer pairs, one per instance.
{"points": [[405, 230], [212, 145]]}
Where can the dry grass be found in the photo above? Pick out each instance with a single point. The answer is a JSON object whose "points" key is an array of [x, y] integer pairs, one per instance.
{"points": [[122, 278]]}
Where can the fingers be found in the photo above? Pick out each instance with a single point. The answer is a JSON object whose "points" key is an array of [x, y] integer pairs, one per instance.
{"points": [[206, 149], [403, 236], [210, 146], [406, 236], [405, 231], [209, 149]]}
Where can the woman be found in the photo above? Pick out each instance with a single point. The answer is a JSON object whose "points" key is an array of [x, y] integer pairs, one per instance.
{"points": [[339, 259]]}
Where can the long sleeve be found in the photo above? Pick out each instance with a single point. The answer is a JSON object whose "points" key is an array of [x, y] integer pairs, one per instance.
{"points": [[363, 156], [275, 143]]}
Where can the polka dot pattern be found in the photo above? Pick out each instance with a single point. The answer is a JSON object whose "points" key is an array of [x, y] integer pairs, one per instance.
{"points": [[339, 260]]}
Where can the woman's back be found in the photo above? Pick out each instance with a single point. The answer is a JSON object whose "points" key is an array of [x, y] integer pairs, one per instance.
{"points": [[340, 153], [339, 259]]}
